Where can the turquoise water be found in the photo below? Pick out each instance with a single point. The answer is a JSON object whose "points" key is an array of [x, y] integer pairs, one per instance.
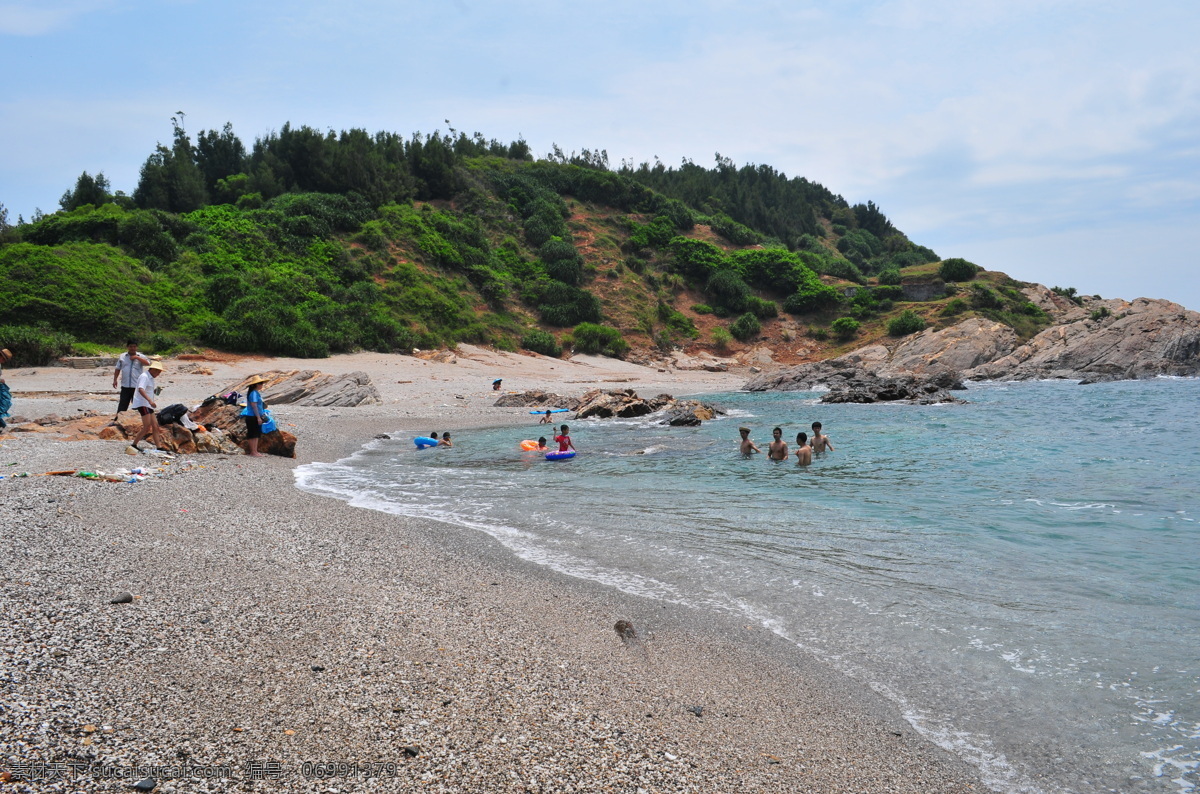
{"points": [[1019, 576]]}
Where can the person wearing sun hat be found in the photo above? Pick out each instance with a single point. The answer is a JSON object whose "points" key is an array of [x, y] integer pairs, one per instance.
{"points": [[143, 403], [254, 413], [5, 395]]}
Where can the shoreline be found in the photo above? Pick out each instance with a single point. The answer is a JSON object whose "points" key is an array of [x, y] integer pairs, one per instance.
{"points": [[428, 636]]}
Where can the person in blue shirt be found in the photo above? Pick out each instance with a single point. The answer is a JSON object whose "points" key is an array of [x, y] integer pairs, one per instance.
{"points": [[255, 416]]}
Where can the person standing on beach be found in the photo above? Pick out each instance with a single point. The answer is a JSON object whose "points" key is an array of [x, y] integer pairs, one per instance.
{"points": [[804, 453], [564, 439], [143, 403], [777, 450], [128, 371], [254, 415], [5, 395], [819, 442], [746, 446]]}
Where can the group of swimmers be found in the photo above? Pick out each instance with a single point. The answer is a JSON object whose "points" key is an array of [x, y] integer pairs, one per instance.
{"points": [[778, 448], [444, 441]]}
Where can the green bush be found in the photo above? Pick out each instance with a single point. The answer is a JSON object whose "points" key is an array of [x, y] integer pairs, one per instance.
{"points": [[745, 327], [696, 258], [1099, 314], [820, 334], [543, 342], [954, 306], [726, 288], [909, 322], [845, 328], [702, 308], [599, 339], [721, 338], [889, 276], [958, 269], [982, 297], [34, 347], [763, 309]]}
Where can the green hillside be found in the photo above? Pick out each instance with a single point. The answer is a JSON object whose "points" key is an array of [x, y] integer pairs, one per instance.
{"points": [[315, 243]]}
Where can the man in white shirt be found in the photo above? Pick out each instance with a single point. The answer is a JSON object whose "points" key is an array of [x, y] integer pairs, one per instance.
{"points": [[143, 403], [128, 371]]}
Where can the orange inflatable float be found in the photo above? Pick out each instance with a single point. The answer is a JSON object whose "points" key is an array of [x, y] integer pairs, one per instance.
{"points": [[529, 445]]}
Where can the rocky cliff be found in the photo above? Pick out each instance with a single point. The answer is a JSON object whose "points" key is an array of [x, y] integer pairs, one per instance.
{"points": [[1100, 340]]}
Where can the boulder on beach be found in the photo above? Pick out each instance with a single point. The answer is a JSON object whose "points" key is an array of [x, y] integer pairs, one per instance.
{"points": [[311, 387]]}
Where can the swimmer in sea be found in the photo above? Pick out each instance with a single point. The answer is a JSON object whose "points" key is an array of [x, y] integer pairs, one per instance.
{"points": [[746, 446], [804, 453], [819, 442], [445, 442], [564, 439], [541, 444], [545, 420], [777, 450]]}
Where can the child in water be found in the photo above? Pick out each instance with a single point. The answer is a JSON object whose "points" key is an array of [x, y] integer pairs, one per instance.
{"points": [[445, 442], [564, 439], [820, 443], [541, 444]]}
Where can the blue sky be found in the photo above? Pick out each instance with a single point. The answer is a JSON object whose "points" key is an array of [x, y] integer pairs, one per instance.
{"points": [[1058, 141]]}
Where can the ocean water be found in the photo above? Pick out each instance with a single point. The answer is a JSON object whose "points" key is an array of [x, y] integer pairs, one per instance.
{"points": [[1019, 576]]}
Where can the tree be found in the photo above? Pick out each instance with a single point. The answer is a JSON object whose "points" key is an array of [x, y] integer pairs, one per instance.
{"points": [[219, 155], [88, 190], [170, 179]]}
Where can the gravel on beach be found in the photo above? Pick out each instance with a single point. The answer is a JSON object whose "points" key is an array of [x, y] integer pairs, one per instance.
{"points": [[281, 641]]}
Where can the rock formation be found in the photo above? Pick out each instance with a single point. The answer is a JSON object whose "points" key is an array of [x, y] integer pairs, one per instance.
{"points": [[848, 381], [1133, 340], [1100, 340], [624, 404], [310, 387]]}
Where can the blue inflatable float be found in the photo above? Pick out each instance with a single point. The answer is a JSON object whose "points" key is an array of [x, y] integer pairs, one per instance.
{"points": [[425, 441], [552, 410], [567, 455]]}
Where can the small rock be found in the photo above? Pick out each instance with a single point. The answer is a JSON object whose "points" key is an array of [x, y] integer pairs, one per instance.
{"points": [[383, 435], [412, 751], [316, 668], [145, 784], [697, 710], [122, 598]]}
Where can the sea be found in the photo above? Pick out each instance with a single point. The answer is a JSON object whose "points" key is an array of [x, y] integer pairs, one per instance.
{"points": [[1019, 576]]}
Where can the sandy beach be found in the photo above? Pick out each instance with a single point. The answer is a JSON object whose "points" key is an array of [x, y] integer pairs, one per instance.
{"points": [[281, 641]]}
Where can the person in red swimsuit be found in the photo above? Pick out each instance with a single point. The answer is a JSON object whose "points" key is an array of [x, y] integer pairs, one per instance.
{"points": [[564, 439]]}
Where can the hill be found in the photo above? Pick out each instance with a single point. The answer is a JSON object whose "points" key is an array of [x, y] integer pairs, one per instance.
{"points": [[315, 243]]}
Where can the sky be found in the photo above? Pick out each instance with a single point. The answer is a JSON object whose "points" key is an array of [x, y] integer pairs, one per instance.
{"points": [[1056, 140]]}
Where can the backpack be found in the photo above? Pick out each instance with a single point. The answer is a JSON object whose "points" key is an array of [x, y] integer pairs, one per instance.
{"points": [[171, 414]]}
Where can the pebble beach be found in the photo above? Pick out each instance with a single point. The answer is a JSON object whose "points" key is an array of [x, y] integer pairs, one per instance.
{"points": [[213, 628]]}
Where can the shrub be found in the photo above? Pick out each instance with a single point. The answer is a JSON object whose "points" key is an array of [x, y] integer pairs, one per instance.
{"points": [[745, 327], [1100, 313], [726, 288], [958, 269], [721, 338], [820, 334], [889, 276], [702, 308], [599, 339], [696, 258], [845, 328], [909, 322], [955, 306], [563, 305], [763, 309], [1070, 293], [543, 342], [984, 298], [889, 292], [34, 347]]}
